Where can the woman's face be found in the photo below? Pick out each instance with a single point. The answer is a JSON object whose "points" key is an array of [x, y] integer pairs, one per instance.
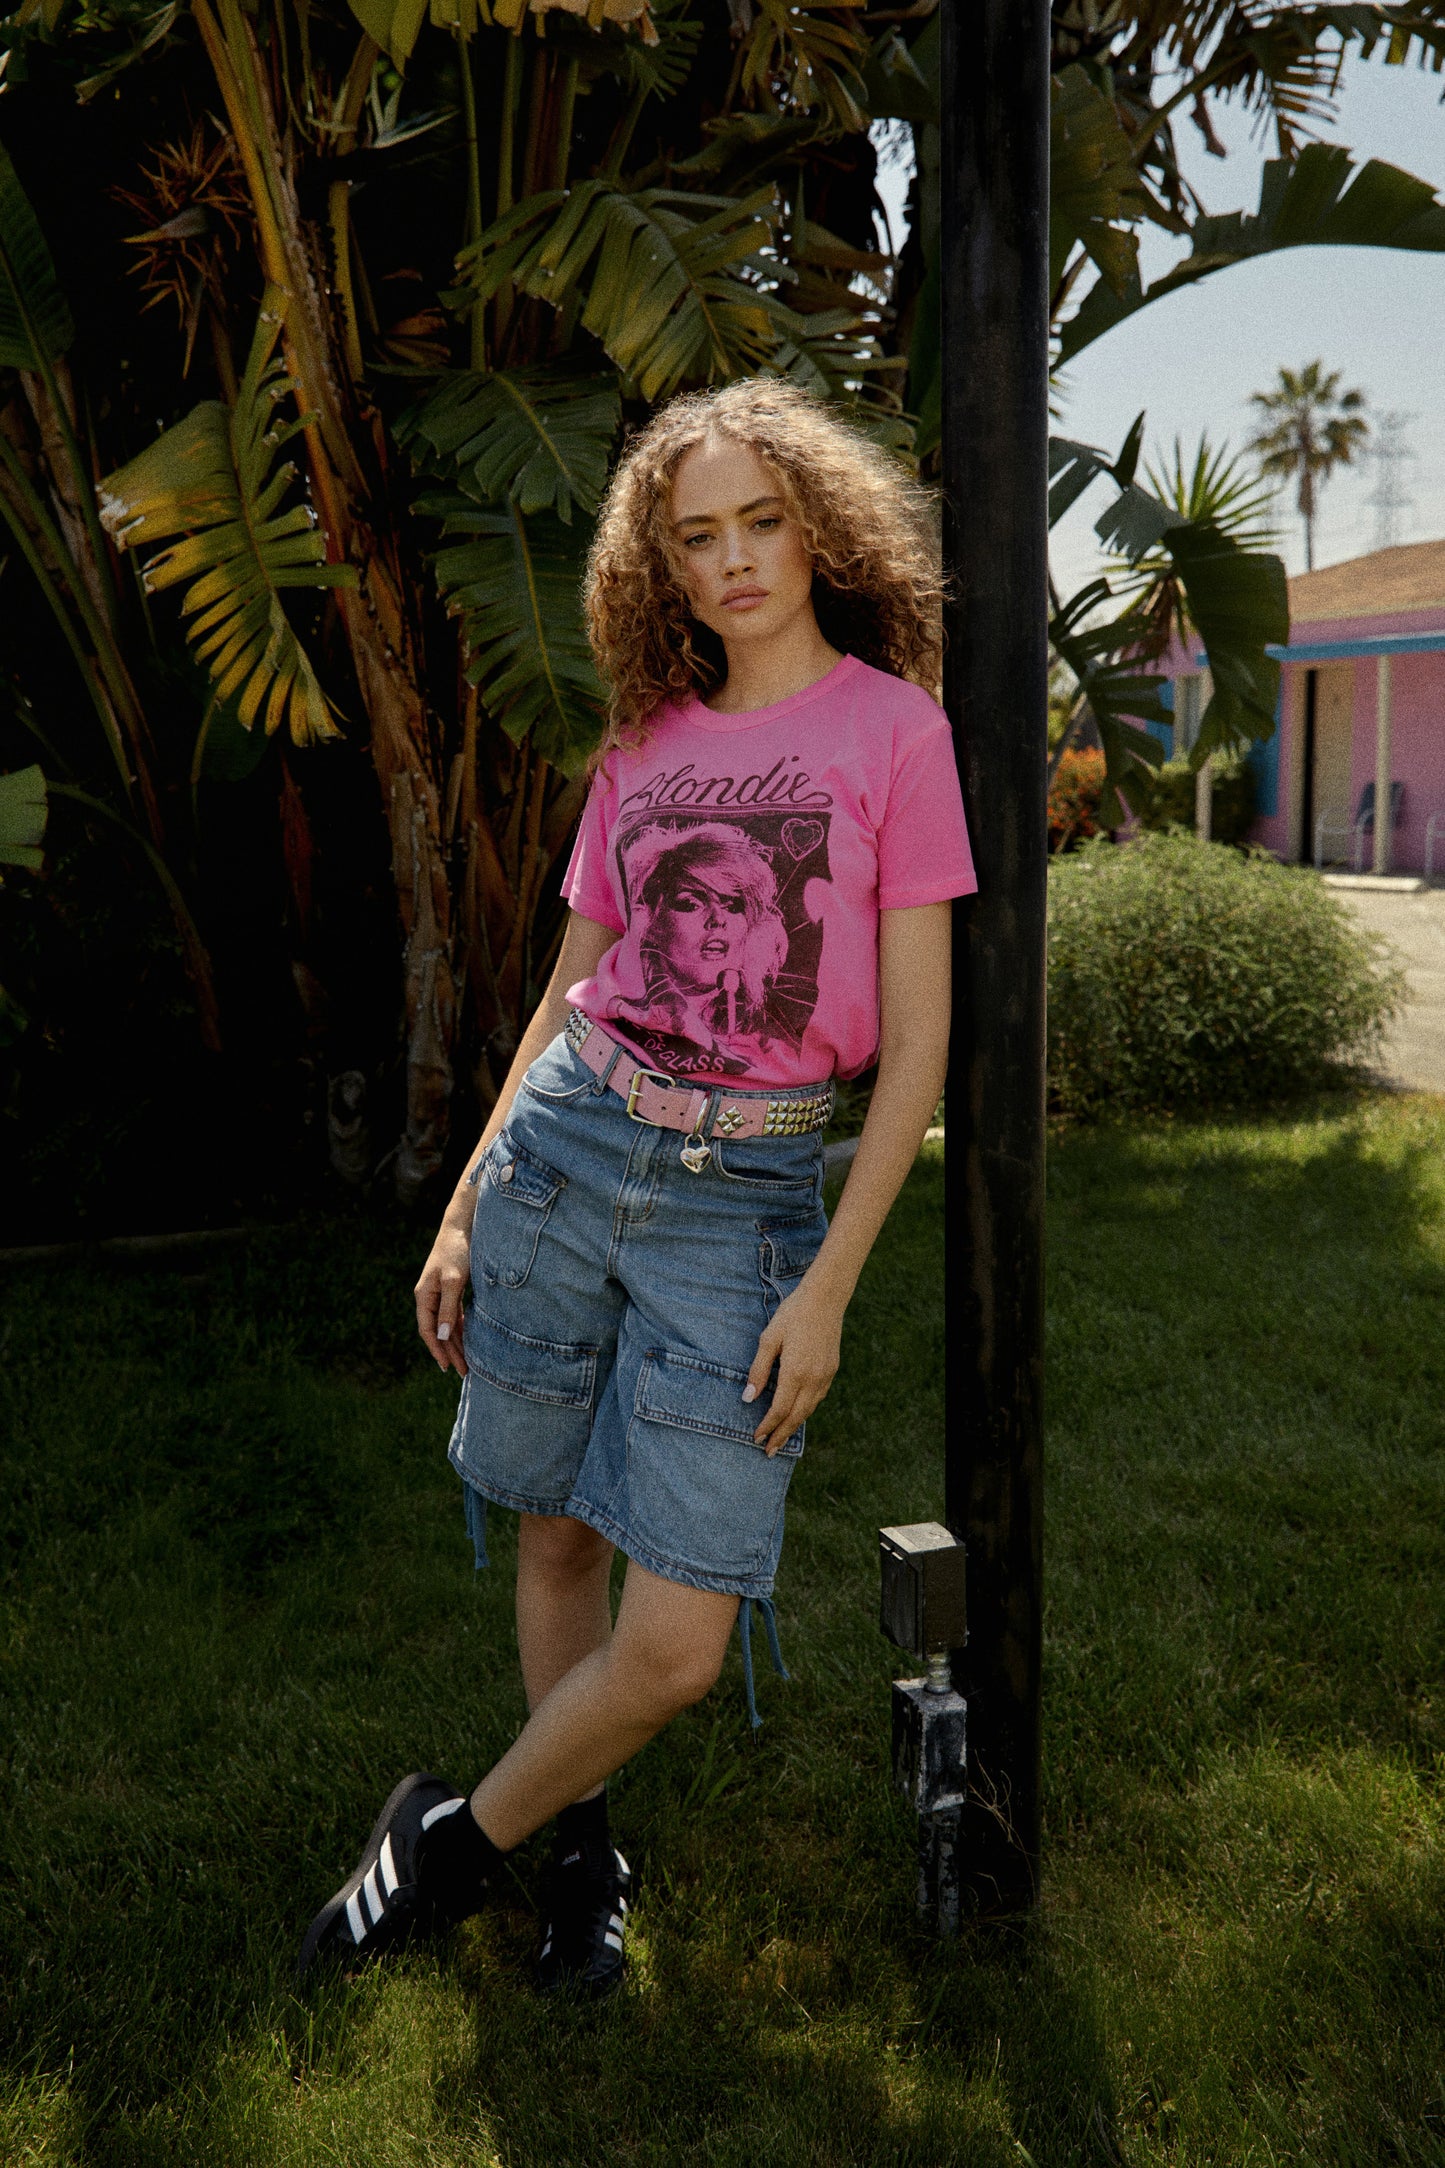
{"points": [[703, 931], [743, 558]]}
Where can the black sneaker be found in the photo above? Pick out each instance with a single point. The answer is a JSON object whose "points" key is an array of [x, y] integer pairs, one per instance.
{"points": [[584, 1924], [391, 1895]]}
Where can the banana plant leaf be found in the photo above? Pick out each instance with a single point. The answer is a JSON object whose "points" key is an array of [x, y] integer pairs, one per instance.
{"points": [[1318, 197], [656, 269], [23, 813], [896, 86], [213, 479], [14, 1020], [541, 436], [1121, 691], [395, 25], [32, 306], [1095, 191], [515, 582]]}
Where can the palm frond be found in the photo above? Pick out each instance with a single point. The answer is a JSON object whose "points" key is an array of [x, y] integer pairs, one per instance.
{"points": [[539, 436], [515, 582], [658, 271], [213, 480]]}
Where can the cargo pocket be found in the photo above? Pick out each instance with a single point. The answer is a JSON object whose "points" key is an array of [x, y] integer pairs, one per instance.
{"points": [[561, 1372], [526, 1414], [701, 1494], [516, 1197]]}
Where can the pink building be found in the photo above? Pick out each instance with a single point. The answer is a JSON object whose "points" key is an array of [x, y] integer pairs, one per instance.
{"points": [[1362, 708]]}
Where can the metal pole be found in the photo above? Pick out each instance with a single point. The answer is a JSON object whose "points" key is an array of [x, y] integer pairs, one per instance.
{"points": [[995, 203], [1384, 763]]}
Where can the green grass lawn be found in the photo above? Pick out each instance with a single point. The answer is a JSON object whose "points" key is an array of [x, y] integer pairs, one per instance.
{"points": [[237, 1601]]}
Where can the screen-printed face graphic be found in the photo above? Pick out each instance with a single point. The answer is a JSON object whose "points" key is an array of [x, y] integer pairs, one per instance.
{"points": [[720, 932]]}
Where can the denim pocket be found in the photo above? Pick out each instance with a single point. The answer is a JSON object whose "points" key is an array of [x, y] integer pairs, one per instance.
{"points": [[768, 1163], [516, 1197], [558, 1075], [786, 1248], [703, 1494], [560, 1372]]}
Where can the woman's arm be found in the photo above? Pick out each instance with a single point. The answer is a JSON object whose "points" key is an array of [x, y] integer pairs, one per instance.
{"points": [[444, 1276], [805, 1336]]}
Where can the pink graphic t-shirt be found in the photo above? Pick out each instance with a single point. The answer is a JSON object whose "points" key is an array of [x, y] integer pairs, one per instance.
{"points": [[743, 861]]}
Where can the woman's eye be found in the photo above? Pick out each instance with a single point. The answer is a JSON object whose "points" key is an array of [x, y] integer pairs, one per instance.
{"points": [[691, 542], [761, 526]]}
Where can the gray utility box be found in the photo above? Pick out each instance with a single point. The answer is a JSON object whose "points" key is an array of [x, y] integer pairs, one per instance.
{"points": [[930, 1735], [924, 1588]]}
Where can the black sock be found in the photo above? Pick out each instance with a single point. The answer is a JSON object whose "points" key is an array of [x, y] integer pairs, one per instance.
{"points": [[582, 1835], [459, 1849]]}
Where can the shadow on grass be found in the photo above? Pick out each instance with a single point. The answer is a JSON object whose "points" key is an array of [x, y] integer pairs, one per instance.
{"points": [[237, 1601]]}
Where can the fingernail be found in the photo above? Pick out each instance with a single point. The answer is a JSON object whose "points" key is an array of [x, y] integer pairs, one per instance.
{"points": [[444, 1332], [750, 1392]]}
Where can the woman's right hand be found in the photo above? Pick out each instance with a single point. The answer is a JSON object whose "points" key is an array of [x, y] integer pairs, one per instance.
{"points": [[439, 1294]]}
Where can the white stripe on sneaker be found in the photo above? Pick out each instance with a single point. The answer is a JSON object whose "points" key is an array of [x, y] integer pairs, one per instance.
{"points": [[613, 1942], [622, 1866], [435, 1814], [374, 1904], [354, 1920], [388, 1865]]}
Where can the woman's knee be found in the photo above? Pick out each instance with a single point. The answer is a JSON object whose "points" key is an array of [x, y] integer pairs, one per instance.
{"points": [[667, 1676], [554, 1547]]}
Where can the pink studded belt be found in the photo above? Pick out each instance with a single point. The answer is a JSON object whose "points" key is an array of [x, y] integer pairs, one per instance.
{"points": [[699, 1110]]}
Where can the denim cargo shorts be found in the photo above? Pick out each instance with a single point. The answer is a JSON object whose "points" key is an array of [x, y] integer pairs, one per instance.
{"points": [[617, 1300]]}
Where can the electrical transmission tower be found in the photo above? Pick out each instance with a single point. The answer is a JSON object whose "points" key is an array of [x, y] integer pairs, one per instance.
{"points": [[1391, 455]]}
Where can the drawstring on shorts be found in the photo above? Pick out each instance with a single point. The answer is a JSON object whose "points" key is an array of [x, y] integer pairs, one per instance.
{"points": [[475, 1507], [745, 1635]]}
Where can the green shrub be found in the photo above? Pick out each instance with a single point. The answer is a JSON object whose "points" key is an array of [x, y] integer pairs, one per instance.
{"points": [[1185, 973], [1167, 801]]}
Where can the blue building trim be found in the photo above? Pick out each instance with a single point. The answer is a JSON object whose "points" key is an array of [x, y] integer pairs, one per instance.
{"points": [[1164, 732], [1384, 643], [1264, 761]]}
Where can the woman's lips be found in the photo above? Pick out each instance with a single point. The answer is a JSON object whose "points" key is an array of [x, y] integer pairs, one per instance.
{"points": [[714, 948], [743, 598]]}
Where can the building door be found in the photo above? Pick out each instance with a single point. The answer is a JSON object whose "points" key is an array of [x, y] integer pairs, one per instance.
{"points": [[1329, 760]]}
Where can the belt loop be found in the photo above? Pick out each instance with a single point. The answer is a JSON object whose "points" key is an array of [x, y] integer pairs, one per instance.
{"points": [[604, 1077], [714, 1102]]}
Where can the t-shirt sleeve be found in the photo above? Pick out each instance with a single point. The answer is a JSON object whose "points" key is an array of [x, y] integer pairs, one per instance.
{"points": [[585, 883], [923, 848]]}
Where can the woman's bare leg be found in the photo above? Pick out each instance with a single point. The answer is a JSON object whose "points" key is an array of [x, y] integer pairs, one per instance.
{"points": [[664, 1653], [563, 1612]]}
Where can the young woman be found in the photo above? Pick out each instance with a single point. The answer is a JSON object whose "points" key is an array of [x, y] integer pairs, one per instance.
{"points": [[759, 904]]}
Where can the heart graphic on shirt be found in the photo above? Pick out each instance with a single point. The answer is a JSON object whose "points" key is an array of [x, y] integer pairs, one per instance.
{"points": [[801, 837]]}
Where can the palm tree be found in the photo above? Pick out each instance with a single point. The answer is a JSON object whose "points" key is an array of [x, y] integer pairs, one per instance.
{"points": [[1308, 428]]}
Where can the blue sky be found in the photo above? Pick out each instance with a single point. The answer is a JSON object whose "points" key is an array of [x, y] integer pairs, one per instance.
{"points": [[1192, 360]]}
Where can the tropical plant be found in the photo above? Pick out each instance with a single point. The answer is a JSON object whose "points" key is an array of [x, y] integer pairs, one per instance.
{"points": [[1308, 427], [444, 255]]}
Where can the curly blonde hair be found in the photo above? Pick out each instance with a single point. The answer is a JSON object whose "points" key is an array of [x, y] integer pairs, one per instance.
{"points": [[877, 582]]}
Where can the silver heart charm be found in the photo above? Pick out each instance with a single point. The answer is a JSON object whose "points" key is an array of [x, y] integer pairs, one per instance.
{"points": [[695, 1155]]}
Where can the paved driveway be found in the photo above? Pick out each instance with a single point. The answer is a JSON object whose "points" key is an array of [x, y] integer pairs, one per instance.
{"points": [[1415, 1050]]}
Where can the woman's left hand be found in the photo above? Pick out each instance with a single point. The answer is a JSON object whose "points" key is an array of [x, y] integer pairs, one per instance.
{"points": [[803, 1342]]}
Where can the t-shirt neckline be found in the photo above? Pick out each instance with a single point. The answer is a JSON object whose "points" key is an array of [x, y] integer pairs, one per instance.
{"points": [[700, 717]]}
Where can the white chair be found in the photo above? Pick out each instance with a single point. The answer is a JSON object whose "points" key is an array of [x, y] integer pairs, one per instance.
{"points": [[1331, 823]]}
